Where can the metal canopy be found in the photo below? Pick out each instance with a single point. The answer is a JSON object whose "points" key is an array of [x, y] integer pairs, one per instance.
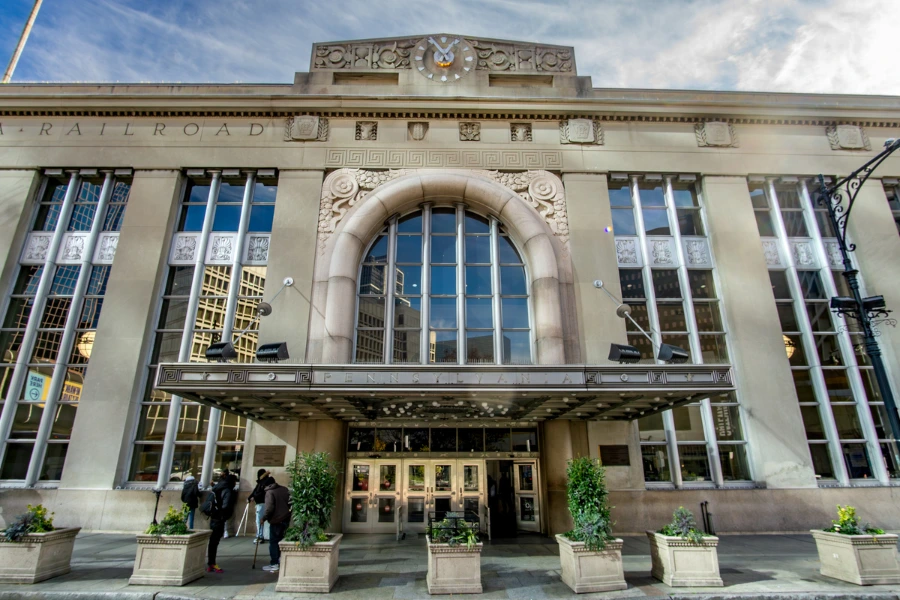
{"points": [[390, 393]]}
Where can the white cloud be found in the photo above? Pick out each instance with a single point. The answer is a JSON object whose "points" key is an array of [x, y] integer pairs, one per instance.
{"points": [[837, 46]]}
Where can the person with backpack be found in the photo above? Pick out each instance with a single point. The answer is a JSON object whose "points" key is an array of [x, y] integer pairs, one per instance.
{"points": [[278, 515], [190, 495], [258, 495], [218, 506]]}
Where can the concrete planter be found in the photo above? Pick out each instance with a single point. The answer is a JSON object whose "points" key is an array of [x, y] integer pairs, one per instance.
{"points": [[453, 569], [37, 556], [170, 559], [586, 571], [859, 559], [312, 569], [681, 563]]}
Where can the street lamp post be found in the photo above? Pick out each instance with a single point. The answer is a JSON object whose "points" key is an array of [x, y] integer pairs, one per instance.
{"points": [[864, 310]]}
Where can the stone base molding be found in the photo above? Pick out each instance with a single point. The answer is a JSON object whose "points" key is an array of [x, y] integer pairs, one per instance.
{"points": [[453, 569], [859, 559], [682, 563], [37, 556], [170, 559], [585, 571], [312, 569]]}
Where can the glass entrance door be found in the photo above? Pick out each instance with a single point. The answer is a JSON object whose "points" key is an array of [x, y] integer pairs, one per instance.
{"points": [[442, 475], [416, 499], [373, 496], [472, 489], [526, 496]]}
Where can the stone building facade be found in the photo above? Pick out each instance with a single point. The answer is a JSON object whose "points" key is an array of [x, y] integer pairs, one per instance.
{"points": [[426, 219]]}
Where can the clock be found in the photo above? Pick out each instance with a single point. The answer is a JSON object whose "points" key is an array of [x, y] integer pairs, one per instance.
{"points": [[444, 58]]}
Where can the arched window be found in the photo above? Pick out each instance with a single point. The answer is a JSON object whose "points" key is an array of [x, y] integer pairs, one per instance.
{"points": [[443, 285]]}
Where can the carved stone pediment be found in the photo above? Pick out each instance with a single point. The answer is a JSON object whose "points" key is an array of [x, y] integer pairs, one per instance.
{"points": [[399, 53]]}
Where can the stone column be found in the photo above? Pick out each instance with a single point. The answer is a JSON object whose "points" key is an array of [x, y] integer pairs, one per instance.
{"points": [[17, 187], [871, 226], [771, 415], [101, 437], [562, 441], [292, 253], [593, 257]]}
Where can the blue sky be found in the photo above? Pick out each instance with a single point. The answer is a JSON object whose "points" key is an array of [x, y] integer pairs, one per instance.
{"points": [[830, 46]]}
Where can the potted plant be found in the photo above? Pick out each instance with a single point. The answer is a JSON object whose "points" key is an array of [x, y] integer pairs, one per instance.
{"points": [[454, 556], [860, 554], [682, 555], [590, 556], [32, 549], [169, 553], [309, 556]]}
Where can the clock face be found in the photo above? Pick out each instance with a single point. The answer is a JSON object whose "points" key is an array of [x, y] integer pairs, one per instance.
{"points": [[444, 58]]}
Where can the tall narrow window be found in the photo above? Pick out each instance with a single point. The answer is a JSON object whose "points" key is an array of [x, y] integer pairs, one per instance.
{"points": [[839, 402], [667, 279], [54, 322], [443, 285], [236, 252]]}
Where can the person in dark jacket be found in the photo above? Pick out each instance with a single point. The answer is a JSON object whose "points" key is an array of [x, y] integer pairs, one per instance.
{"points": [[278, 515], [224, 491], [190, 495], [258, 495]]}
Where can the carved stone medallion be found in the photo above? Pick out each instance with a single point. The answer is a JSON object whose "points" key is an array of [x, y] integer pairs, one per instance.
{"points": [[306, 128], [366, 130], [715, 133], [848, 137], [417, 131], [520, 132], [470, 132], [580, 131]]}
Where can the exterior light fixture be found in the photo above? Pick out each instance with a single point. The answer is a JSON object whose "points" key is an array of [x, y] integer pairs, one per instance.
{"points": [[624, 354], [221, 352], [272, 353], [672, 354], [843, 303], [789, 346], [86, 343]]}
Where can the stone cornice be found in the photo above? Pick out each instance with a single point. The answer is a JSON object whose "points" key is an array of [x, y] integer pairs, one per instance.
{"points": [[654, 106]]}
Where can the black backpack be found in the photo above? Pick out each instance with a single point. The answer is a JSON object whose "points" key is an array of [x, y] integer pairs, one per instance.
{"points": [[210, 506]]}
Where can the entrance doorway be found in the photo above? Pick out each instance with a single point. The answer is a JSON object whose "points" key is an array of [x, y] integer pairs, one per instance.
{"points": [[383, 494], [513, 497], [393, 495]]}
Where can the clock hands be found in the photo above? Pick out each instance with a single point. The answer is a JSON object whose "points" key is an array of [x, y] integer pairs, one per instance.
{"points": [[443, 57]]}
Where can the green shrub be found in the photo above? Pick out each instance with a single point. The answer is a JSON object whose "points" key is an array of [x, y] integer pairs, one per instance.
{"points": [[174, 523], [683, 525], [588, 503], [453, 532], [36, 520], [312, 487], [848, 523]]}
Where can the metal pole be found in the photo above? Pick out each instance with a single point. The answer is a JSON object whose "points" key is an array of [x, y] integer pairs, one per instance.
{"points": [[37, 312], [22, 39], [832, 198], [68, 339]]}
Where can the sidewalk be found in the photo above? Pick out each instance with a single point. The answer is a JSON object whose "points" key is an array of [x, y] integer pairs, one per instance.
{"points": [[376, 567]]}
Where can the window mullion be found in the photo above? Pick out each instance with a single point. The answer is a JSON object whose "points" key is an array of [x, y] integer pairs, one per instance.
{"points": [[425, 352], [460, 284], [653, 317], [184, 351], [31, 329], [495, 288], [390, 278]]}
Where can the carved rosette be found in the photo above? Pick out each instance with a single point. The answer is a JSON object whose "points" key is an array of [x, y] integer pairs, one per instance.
{"points": [[36, 248], [106, 249], [833, 250], [696, 252], [770, 251], [345, 188], [661, 251], [258, 249], [221, 249]]}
